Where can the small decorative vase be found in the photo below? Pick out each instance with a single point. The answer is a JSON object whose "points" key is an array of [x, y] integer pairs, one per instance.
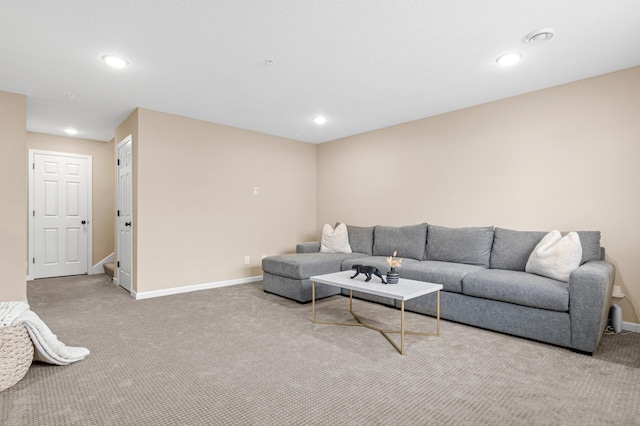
{"points": [[392, 276]]}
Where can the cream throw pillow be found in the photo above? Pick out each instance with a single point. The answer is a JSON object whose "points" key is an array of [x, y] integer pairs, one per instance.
{"points": [[556, 256], [335, 240]]}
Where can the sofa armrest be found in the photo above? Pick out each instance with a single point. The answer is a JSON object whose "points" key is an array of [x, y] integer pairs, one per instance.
{"points": [[313, 247], [590, 288]]}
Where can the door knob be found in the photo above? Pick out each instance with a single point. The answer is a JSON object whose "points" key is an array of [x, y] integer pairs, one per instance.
{"points": [[84, 222], [127, 224]]}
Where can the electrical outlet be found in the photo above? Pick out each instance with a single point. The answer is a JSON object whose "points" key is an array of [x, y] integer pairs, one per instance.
{"points": [[617, 292], [256, 190], [247, 260]]}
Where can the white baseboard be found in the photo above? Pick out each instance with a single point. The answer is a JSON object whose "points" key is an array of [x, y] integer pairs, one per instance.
{"points": [[98, 268], [190, 288], [631, 326]]}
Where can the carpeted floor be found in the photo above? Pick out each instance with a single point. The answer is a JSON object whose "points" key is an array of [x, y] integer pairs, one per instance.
{"points": [[239, 356]]}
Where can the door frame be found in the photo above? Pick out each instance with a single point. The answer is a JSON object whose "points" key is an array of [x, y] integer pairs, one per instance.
{"points": [[32, 203], [116, 278]]}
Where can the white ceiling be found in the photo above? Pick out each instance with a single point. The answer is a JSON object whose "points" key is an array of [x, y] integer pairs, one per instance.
{"points": [[365, 64]]}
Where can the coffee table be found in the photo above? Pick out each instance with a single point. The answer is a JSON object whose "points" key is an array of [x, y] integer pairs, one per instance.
{"points": [[405, 289]]}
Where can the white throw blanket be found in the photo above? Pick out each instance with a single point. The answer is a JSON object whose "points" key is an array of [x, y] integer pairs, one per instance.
{"points": [[9, 311], [47, 346]]}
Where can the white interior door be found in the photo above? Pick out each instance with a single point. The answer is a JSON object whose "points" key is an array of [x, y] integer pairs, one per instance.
{"points": [[60, 204], [125, 215]]}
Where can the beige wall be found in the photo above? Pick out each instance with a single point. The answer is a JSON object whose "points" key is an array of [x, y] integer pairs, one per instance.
{"points": [[563, 158], [103, 160], [13, 197], [196, 217]]}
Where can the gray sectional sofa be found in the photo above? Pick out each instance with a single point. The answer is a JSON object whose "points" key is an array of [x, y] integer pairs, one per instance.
{"points": [[482, 270]]}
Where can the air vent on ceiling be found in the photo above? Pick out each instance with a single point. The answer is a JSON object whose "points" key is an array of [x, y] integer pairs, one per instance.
{"points": [[539, 36]]}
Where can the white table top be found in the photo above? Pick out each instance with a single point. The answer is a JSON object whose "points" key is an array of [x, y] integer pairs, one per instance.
{"points": [[405, 289]]}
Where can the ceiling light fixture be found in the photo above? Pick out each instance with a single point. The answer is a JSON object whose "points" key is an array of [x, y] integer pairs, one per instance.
{"points": [[70, 131], [320, 119], [508, 59], [115, 61], [539, 36]]}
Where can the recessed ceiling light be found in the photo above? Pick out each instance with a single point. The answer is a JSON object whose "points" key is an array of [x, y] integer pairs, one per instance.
{"points": [[70, 131], [539, 36], [115, 61], [320, 119], [508, 59]]}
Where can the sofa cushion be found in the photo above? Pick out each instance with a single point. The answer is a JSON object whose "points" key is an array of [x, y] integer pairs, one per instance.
{"points": [[518, 287], [361, 239], [556, 256], [335, 240], [448, 274], [511, 249], [460, 245], [590, 241], [304, 265], [408, 241]]}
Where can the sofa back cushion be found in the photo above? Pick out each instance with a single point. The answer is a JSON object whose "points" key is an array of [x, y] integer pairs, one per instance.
{"points": [[590, 241], [408, 241], [460, 245], [361, 239], [511, 249]]}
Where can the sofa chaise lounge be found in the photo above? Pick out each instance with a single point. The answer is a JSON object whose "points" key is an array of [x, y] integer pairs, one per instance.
{"points": [[482, 270]]}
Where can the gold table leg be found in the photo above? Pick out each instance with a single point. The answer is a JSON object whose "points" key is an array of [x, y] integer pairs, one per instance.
{"points": [[313, 301], [402, 327], [438, 314], [384, 332]]}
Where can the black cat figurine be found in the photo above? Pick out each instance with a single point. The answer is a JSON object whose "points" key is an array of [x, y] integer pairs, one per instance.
{"points": [[367, 271]]}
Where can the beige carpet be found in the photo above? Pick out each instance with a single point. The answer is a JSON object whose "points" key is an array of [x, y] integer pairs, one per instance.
{"points": [[239, 356]]}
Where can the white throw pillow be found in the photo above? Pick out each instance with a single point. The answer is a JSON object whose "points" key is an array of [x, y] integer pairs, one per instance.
{"points": [[556, 256], [335, 240]]}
